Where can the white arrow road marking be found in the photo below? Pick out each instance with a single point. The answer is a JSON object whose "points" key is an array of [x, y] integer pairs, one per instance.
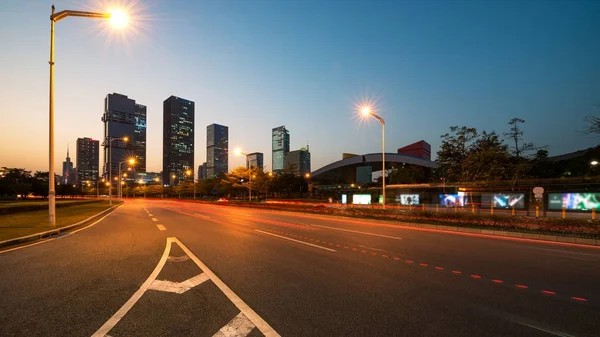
{"points": [[239, 326], [178, 258], [178, 287]]}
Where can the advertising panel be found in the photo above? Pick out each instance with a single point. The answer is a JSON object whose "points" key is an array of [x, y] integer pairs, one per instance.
{"points": [[453, 200], [361, 199], [504, 200], [408, 199], [574, 201], [344, 199]]}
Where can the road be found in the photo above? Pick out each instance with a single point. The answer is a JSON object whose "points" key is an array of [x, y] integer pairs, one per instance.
{"points": [[169, 268]]}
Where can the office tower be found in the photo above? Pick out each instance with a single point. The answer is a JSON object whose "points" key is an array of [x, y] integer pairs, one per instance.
{"points": [[254, 160], [217, 150], [178, 140], [68, 175], [281, 146], [139, 137], [202, 171], [123, 117], [298, 161], [88, 156]]}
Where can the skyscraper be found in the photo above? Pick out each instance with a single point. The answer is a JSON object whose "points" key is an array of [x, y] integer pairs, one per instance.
{"points": [[124, 118], [68, 176], [254, 160], [298, 161], [202, 171], [281, 146], [139, 137], [217, 150], [178, 140], [88, 155]]}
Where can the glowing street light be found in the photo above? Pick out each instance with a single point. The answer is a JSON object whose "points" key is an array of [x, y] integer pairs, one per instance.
{"points": [[130, 161], [120, 19], [594, 162], [367, 111]]}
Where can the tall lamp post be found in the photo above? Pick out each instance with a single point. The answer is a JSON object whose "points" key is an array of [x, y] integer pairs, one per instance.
{"points": [[118, 19], [240, 152], [162, 189], [110, 140], [130, 161], [190, 173], [366, 111]]}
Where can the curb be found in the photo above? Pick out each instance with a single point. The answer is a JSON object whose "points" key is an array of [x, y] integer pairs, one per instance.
{"points": [[449, 228], [39, 236]]}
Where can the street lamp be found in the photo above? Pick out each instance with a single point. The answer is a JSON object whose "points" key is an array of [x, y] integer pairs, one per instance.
{"points": [[162, 189], [238, 152], [130, 161], [118, 19], [190, 173], [368, 112]]}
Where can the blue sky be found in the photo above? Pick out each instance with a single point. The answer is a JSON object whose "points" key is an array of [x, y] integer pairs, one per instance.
{"points": [[257, 64]]}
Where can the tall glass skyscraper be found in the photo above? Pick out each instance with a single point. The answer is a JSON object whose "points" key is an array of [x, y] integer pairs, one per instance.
{"points": [[87, 160], [178, 140], [123, 117], [217, 150], [281, 146]]}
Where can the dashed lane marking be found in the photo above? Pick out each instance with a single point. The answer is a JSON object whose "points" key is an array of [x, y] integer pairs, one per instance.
{"points": [[161, 227], [150, 214], [240, 326], [178, 287], [359, 232], [154, 219], [297, 241]]}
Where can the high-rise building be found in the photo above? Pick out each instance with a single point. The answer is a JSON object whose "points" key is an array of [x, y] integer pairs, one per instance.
{"points": [[254, 160], [123, 117], [68, 175], [202, 171], [298, 161], [281, 146], [217, 150], [88, 156], [139, 137], [178, 140]]}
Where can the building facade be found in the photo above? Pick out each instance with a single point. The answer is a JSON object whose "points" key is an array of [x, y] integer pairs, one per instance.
{"points": [[254, 160], [88, 160], [202, 171], [298, 162], [280, 137], [217, 150], [178, 140], [420, 149], [123, 117], [69, 176]]}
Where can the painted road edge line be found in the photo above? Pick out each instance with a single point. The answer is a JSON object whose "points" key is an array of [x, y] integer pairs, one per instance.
{"points": [[359, 232], [114, 319], [298, 241], [260, 323]]}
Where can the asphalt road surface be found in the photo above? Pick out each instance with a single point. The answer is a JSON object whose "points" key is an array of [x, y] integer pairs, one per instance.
{"points": [[168, 268]]}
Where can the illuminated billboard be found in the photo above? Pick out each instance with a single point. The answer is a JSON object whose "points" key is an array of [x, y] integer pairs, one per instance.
{"points": [[408, 199], [574, 201], [361, 199], [453, 200], [504, 200]]}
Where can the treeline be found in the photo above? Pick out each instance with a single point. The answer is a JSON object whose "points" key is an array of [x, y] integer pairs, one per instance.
{"points": [[20, 182]]}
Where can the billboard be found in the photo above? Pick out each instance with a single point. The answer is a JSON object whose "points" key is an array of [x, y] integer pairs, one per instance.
{"points": [[453, 200], [361, 199], [408, 199], [504, 200], [574, 201]]}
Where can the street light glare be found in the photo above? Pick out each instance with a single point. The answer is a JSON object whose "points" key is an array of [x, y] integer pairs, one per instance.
{"points": [[365, 111], [125, 139], [118, 18], [131, 161], [237, 151]]}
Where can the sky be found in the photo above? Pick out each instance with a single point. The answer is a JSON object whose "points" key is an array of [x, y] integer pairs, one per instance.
{"points": [[257, 64]]}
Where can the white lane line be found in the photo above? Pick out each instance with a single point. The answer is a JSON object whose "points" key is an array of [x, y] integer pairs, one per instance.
{"points": [[104, 329], [178, 258], [298, 241], [202, 216], [178, 287], [260, 323], [161, 227], [239, 326], [552, 332], [359, 232], [25, 246], [154, 219], [150, 214]]}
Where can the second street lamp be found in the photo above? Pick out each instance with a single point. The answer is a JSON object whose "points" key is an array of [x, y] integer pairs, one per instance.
{"points": [[118, 19], [366, 111]]}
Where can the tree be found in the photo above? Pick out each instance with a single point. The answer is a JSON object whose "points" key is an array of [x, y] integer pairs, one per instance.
{"points": [[515, 135], [407, 174], [486, 160], [39, 184], [453, 151], [593, 123]]}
